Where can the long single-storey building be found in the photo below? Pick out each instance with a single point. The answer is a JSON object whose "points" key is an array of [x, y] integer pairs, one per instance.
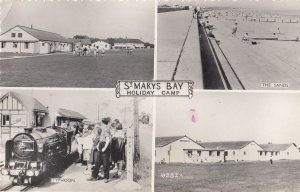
{"points": [[182, 149], [21, 39], [279, 152], [121, 43], [235, 150]]}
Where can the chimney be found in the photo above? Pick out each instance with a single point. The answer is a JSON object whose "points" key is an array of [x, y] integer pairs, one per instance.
{"points": [[28, 130]]}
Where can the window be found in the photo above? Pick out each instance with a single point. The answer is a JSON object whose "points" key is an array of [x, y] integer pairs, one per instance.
{"points": [[260, 153], [19, 34], [233, 153], [190, 153], [3, 45], [26, 45], [199, 153], [43, 44], [13, 34], [226, 153], [244, 152], [287, 153], [266, 153], [271, 153], [218, 153], [5, 119], [15, 45], [210, 153]]}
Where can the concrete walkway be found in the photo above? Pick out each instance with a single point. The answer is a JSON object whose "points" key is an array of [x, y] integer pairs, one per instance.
{"points": [[172, 30]]}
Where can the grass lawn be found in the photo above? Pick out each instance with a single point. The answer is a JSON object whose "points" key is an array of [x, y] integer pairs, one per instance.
{"points": [[9, 55], [66, 70], [283, 176]]}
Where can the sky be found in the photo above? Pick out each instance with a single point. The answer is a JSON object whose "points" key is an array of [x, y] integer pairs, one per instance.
{"points": [[232, 116], [101, 19], [257, 4], [86, 102]]}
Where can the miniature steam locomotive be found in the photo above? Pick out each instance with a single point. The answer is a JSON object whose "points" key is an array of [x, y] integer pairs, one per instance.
{"points": [[31, 154]]}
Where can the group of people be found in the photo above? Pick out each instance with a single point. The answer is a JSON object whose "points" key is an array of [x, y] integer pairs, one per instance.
{"points": [[101, 146], [88, 50]]}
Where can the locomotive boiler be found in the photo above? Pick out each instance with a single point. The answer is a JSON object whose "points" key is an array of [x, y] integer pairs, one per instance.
{"points": [[31, 154]]}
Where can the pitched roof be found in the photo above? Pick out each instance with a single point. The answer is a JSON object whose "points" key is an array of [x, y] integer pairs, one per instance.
{"points": [[162, 141], [70, 114], [225, 145], [29, 102], [83, 41], [44, 35], [121, 40], [276, 147]]}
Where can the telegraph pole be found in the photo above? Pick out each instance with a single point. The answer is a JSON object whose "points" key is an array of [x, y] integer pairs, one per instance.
{"points": [[129, 184]]}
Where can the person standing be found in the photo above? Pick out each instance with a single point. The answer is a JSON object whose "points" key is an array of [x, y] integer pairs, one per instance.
{"points": [[118, 148], [102, 151], [234, 29]]}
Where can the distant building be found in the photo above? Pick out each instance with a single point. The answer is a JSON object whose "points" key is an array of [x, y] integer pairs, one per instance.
{"points": [[121, 43], [171, 149], [279, 152], [21, 39], [83, 43], [66, 114], [101, 44], [235, 150]]}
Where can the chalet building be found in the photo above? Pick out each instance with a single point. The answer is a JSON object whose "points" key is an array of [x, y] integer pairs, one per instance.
{"points": [[83, 43], [65, 114], [287, 151], [18, 111], [121, 43], [171, 149], [204, 155], [102, 45], [182, 149], [21, 39], [235, 150]]}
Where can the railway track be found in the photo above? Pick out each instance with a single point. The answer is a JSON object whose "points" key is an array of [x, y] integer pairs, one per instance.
{"points": [[12, 187]]}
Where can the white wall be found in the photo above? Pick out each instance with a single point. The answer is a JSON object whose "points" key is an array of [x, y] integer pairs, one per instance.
{"points": [[248, 153], [177, 154], [199, 156], [25, 36], [101, 45]]}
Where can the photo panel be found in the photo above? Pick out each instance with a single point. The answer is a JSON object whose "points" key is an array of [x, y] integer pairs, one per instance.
{"points": [[227, 44], [228, 141], [75, 140], [76, 43]]}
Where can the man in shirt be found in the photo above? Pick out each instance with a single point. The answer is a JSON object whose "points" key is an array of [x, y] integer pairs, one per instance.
{"points": [[102, 150]]}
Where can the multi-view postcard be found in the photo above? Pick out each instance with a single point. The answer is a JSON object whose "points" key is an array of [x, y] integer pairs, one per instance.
{"points": [[76, 44], [239, 45], [150, 95]]}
